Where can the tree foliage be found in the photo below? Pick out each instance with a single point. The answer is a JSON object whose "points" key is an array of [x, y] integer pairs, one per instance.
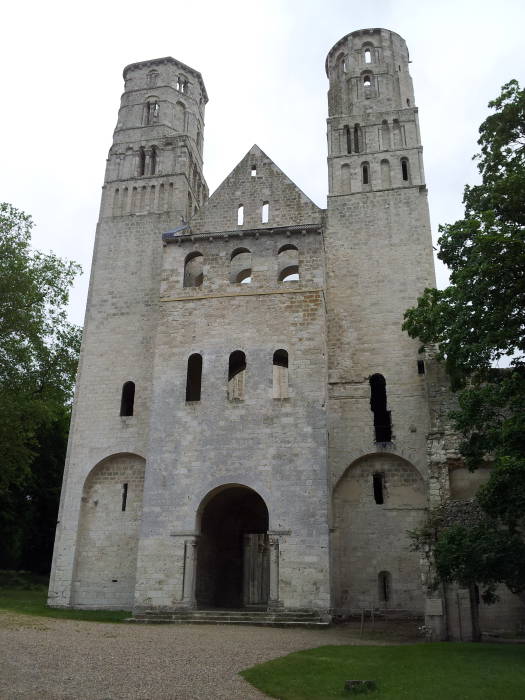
{"points": [[38, 359], [476, 321]]}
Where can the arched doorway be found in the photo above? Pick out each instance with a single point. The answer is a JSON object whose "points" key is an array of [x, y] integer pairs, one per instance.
{"points": [[233, 555]]}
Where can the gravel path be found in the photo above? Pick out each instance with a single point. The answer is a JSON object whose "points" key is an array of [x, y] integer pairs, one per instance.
{"points": [[46, 658]]}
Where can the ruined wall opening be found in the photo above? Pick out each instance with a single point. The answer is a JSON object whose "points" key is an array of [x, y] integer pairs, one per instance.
{"points": [[384, 586], [233, 552], [236, 375], [288, 263], [241, 266], [194, 377], [378, 406], [193, 269], [280, 374], [378, 480], [127, 399]]}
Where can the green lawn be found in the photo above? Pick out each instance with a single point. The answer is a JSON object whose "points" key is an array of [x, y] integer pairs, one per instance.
{"points": [[440, 671], [26, 593]]}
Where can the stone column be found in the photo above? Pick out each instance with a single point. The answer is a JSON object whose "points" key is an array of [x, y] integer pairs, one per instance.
{"points": [[190, 563], [274, 601]]}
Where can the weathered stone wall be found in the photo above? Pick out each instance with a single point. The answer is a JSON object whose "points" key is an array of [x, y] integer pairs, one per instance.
{"points": [[108, 534]]}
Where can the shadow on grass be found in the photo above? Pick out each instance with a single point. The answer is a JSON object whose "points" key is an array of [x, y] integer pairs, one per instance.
{"points": [[411, 672], [25, 593]]}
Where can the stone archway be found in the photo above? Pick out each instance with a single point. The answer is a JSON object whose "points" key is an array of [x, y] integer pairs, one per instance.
{"points": [[233, 552]]}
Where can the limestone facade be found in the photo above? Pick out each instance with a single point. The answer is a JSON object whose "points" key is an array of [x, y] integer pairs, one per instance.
{"points": [[251, 427]]}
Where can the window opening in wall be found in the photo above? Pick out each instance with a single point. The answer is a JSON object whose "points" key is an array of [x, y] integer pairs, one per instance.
{"points": [[344, 65], [357, 138], [367, 80], [127, 399], [124, 496], [346, 180], [368, 56], [280, 374], [194, 377], [254, 171], [288, 263], [365, 174], [142, 161], [408, 102], [348, 139], [384, 584], [236, 375], [153, 161], [240, 215], [193, 270], [265, 212], [404, 169], [386, 180], [382, 417], [241, 266], [421, 366], [377, 483], [153, 112]]}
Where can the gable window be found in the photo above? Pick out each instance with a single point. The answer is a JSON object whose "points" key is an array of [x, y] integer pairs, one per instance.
{"points": [[240, 215], [265, 212]]}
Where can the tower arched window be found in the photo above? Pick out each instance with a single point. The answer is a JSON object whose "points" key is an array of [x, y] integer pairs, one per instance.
{"points": [[193, 269], [280, 374], [127, 399], [347, 135], [141, 170], [152, 78], [346, 184], [358, 139], [241, 266], [154, 160], [367, 80], [368, 55], [152, 111], [405, 170], [288, 263], [386, 180], [378, 406], [236, 375], [365, 173], [194, 377]]}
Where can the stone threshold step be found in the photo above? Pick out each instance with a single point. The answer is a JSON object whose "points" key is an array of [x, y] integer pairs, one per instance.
{"points": [[221, 621]]}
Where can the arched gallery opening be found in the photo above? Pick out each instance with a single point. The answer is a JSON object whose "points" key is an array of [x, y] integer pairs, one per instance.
{"points": [[233, 553]]}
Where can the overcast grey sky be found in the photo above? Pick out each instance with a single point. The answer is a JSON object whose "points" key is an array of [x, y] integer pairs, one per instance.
{"points": [[263, 66]]}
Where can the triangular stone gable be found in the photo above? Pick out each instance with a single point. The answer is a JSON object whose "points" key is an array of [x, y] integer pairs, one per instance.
{"points": [[287, 205]]}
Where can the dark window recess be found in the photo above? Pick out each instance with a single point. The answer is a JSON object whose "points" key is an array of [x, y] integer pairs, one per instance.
{"points": [[280, 358], [404, 170], [382, 417], [384, 581], [421, 366], [193, 378], [348, 139], [128, 399], [236, 364], [378, 484], [124, 496]]}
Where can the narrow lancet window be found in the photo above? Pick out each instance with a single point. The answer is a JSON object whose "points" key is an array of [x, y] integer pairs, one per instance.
{"points": [[384, 584], [240, 215], [357, 139], [377, 485], [280, 374], [365, 173], [124, 497], [265, 213], [127, 399], [378, 406], [348, 139], [236, 375], [142, 162], [194, 377], [404, 170], [153, 161], [368, 56]]}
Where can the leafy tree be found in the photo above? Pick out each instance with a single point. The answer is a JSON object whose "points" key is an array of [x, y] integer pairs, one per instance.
{"points": [[38, 359], [476, 321]]}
